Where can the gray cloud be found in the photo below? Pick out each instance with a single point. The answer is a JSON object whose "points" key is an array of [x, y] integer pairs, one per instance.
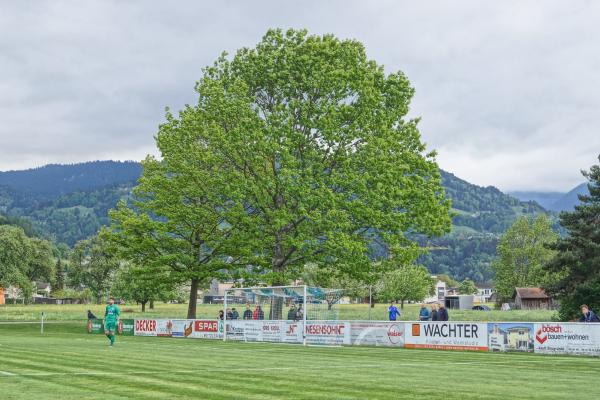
{"points": [[507, 91]]}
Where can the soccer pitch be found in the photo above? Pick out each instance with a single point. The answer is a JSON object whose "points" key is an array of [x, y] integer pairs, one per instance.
{"points": [[66, 363]]}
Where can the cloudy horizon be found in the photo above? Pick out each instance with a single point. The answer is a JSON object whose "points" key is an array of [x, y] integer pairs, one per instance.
{"points": [[507, 92]]}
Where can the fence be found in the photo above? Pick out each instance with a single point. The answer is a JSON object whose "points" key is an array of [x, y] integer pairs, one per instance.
{"points": [[538, 337]]}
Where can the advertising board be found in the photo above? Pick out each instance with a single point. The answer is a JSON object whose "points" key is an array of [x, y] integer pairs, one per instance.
{"points": [[446, 335], [372, 333], [567, 338], [510, 336], [334, 333], [153, 327]]}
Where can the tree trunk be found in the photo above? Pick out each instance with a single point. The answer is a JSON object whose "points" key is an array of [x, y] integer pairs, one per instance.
{"points": [[191, 314], [143, 306], [152, 304], [402, 304]]}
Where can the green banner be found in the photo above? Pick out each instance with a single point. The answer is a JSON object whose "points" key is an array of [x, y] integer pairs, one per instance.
{"points": [[126, 327], [95, 326]]}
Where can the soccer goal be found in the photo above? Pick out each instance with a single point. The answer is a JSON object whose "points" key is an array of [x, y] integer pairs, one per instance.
{"points": [[280, 303]]}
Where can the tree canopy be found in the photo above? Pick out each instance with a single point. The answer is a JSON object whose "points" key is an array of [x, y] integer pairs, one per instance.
{"points": [[577, 256], [406, 283], [522, 253]]}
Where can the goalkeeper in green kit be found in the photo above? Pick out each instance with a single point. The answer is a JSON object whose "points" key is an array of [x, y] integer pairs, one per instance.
{"points": [[111, 320]]}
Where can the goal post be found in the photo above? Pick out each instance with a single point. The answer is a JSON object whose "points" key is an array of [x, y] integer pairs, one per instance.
{"points": [[296, 304]]}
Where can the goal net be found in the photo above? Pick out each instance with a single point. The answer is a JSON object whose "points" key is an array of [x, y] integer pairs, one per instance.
{"points": [[281, 303]]}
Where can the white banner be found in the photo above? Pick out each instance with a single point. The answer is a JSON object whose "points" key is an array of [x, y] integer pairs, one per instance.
{"points": [[264, 331], [371, 333], [328, 332], [447, 335], [182, 328], [567, 338], [153, 327]]}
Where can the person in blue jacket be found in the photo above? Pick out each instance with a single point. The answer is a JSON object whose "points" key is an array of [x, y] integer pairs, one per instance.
{"points": [[588, 315], [393, 311], [424, 313]]}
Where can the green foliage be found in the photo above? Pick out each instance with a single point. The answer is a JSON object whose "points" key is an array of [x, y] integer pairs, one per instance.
{"points": [[522, 252], [450, 282], [467, 287], [312, 136], [577, 257], [333, 278], [143, 285], [176, 220], [406, 283], [85, 295], [92, 265], [23, 259], [59, 277]]}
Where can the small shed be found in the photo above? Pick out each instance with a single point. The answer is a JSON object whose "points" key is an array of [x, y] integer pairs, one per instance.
{"points": [[531, 298], [459, 302]]}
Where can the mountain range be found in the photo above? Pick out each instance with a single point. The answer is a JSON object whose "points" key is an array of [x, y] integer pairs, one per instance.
{"points": [[67, 203], [554, 201]]}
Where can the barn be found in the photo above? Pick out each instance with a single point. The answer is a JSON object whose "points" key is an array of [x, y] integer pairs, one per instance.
{"points": [[531, 298]]}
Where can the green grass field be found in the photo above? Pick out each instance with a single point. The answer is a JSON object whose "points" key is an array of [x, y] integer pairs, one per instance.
{"points": [[349, 311], [66, 363]]}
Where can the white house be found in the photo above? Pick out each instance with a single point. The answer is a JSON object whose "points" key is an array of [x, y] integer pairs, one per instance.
{"points": [[439, 294], [484, 293]]}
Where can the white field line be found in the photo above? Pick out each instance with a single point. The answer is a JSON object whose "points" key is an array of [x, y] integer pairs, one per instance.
{"points": [[4, 373]]}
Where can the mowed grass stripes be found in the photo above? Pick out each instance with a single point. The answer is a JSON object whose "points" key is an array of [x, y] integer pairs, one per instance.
{"points": [[66, 363]]}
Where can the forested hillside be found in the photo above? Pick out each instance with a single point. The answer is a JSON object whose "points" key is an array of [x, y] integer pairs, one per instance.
{"points": [[481, 216], [83, 193]]}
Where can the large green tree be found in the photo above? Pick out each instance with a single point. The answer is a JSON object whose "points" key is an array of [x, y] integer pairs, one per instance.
{"points": [[522, 253], [577, 255], [93, 265], [406, 283], [142, 285], [467, 287], [182, 216], [23, 259], [313, 136]]}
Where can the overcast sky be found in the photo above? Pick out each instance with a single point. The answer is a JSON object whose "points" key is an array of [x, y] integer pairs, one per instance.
{"points": [[508, 92]]}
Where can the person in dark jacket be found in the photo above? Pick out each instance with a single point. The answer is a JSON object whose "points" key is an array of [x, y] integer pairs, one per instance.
{"points": [[424, 313], [588, 315], [434, 312], [221, 315], [229, 314], [91, 315], [442, 313], [235, 314], [292, 313], [248, 312]]}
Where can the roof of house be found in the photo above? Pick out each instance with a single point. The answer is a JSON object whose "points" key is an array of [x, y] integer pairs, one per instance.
{"points": [[484, 286], [531, 293]]}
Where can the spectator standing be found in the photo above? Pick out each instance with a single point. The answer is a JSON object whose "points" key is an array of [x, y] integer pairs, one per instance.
{"points": [[261, 313], [434, 312], [588, 315], [229, 314], [424, 313], [220, 315], [292, 313], [91, 315], [235, 314], [393, 311], [248, 312], [300, 313], [442, 313]]}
